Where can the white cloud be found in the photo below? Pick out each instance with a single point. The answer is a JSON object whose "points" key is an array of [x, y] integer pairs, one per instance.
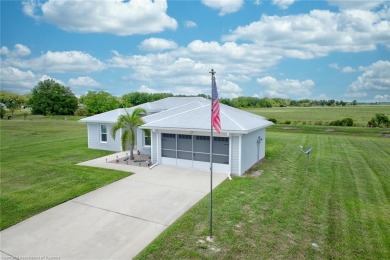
{"points": [[382, 97], [45, 77], [30, 7], [346, 69], [112, 17], [60, 62], [19, 50], [157, 44], [357, 4], [83, 82], [15, 80], [283, 4], [228, 89], [317, 33], [374, 78], [286, 88], [190, 24], [225, 6], [146, 89]]}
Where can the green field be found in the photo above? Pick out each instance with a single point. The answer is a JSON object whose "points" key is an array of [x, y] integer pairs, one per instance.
{"points": [[361, 114], [38, 168], [335, 206]]}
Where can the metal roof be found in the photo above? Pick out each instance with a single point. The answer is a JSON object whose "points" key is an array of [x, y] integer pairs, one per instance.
{"points": [[188, 114]]}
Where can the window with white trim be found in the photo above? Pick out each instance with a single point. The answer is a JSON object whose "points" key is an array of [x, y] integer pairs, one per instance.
{"points": [[147, 139], [103, 134]]}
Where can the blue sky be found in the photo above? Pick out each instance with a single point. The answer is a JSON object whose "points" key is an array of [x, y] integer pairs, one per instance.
{"points": [[278, 48]]}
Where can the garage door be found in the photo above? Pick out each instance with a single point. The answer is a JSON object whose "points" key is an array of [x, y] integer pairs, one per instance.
{"points": [[194, 151]]}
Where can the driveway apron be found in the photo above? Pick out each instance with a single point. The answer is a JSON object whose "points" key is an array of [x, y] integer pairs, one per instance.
{"points": [[114, 222]]}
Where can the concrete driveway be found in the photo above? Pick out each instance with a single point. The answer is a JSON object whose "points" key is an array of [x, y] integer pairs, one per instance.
{"points": [[113, 222]]}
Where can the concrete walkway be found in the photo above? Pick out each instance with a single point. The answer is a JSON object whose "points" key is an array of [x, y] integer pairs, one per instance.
{"points": [[114, 222]]}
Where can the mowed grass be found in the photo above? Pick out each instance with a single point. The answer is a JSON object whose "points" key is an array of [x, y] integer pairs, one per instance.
{"points": [[38, 166], [361, 114], [335, 206]]}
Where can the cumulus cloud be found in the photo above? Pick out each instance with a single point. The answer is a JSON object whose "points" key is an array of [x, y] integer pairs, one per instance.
{"points": [[113, 17], [382, 97], [60, 62], [189, 66], [228, 89], [374, 78], [157, 44], [83, 82], [146, 89], [16, 80], [286, 88], [190, 24], [317, 33], [283, 4], [224, 7], [19, 50]]}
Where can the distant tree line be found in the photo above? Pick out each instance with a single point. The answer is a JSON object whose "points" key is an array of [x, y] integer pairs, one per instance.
{"points": [[50, 98], [255, 102]]}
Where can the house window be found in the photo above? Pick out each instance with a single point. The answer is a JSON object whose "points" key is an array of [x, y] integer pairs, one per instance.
{"points": [[103, 133], [147, 140]]}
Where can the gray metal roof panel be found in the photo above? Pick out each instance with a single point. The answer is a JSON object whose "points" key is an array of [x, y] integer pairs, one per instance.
{"points": [[187, 113]]}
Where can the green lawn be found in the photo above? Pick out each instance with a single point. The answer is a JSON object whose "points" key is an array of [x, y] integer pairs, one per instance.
{"points": [[337, 205], [361, 114], [38, 170]]}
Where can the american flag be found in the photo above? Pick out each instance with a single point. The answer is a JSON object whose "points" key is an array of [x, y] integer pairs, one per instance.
{"points": [[215, 119]]}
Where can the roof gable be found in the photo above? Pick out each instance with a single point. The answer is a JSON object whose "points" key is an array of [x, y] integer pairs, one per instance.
{"points": [[187, 113]]}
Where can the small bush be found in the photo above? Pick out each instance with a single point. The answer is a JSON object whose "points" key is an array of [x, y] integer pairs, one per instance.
{"points": [[81, 112], [380, 120], [273, 120], [343, 122], [287, 122], [2, 112]]}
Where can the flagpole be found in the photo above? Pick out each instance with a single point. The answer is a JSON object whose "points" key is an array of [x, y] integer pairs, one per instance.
{"points": [[211, 156]]}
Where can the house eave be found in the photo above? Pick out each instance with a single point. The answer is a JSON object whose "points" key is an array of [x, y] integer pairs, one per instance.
{"points": [[202, 130]]}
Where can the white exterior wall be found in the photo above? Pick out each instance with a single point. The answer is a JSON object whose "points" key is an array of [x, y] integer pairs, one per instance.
{"points": [[155, 146], [235, 154], [94, 138], [251, 152], [140, 142]]}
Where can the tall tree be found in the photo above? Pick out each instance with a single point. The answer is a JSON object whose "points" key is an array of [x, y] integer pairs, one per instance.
{"points": [[128, 124], [51, 98], [98, 102]]}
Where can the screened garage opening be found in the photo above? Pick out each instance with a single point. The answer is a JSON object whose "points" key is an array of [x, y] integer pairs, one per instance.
{"points": [[193, 150]]}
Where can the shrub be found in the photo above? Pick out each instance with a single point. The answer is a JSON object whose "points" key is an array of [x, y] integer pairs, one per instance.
{"points": [[2, 112], [343, 122], [380, 120], [81, 112], [347, 121], [287, 122], [273, 120]]}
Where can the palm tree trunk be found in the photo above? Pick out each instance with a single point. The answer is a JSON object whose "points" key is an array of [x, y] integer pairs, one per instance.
{"points": [[131, 152]]}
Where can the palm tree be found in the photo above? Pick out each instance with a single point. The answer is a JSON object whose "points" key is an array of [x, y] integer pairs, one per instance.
{"points": [[128, 123]]}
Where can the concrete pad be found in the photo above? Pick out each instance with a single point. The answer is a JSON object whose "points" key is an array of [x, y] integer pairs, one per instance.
{"points": [[114, 222], [74, 231], [156, 203]]}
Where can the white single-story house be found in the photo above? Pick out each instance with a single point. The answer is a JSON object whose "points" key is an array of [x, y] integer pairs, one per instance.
{"points": [[180, 134]]}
